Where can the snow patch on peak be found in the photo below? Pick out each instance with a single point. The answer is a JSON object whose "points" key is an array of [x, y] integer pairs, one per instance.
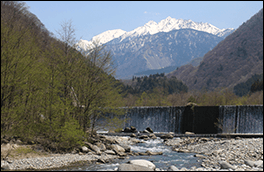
{"points": [[165, 25], [108, 35]]}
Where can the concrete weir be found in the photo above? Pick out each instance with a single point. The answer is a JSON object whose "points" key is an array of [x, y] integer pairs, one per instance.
{"points": [[246, 120]]}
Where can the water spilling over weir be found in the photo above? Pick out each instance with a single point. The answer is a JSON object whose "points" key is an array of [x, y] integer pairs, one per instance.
{"points": [[197, 119]]}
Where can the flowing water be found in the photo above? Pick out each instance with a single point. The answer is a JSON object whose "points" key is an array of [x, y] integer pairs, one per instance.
{"points": [[168, 158]]}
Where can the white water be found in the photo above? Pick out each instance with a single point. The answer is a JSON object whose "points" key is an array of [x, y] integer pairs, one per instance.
{"points": [[163, 162]]}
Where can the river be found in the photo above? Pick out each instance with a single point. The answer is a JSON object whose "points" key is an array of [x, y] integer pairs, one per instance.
{"points": [[162, 162]]}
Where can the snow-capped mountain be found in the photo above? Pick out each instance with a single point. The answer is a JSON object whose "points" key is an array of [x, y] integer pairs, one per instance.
{"points": [[171, 42], [152, 28]]}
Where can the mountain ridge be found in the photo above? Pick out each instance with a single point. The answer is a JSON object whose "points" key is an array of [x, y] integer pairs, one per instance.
{"points": [[170, 42], [151, 27], [232, 61]]}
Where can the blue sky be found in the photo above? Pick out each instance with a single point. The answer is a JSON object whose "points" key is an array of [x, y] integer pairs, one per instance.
{"points": [[91, 18]]}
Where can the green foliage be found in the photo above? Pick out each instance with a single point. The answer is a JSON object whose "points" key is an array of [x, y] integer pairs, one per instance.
{"points": [[70, 134], [48, 88], [191, 99], [149, 83]]}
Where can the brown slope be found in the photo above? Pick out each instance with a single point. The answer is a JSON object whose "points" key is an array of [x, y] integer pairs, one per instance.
{"points": [[233, 60]]}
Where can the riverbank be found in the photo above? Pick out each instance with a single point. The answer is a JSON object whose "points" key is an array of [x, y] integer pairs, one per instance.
{"points": [[240, 154], [243, 154]]}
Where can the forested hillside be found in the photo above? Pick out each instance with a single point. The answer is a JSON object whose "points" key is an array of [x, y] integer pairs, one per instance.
{"points": [[48, 89], [244, 88], [234, 60]]}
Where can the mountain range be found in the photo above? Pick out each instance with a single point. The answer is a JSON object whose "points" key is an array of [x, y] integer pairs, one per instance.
{"points": [[171, 42], [234, 60]]}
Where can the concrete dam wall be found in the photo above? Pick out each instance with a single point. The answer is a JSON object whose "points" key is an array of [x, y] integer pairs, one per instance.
{"points": [[197, 119]]}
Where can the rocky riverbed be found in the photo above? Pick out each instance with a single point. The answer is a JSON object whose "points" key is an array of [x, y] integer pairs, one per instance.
{"points": [[215, 154], [219, 154]]}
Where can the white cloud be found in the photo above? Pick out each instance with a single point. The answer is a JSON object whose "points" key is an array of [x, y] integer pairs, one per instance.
{"points": [[145, 12]]}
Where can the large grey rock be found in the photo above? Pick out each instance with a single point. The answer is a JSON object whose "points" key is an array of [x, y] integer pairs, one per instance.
{"points": [[254, 163], [154, 153], [173, 168], [135, 141], [101, 146], [143, 162], [152, 136], [127, 130], [166, 136], [111, 152], [133, 167], [85, 149], [145, 131], [117, 148], [93, 147], [5, 167], [143, 136], [127, 148], [133, 135], [225, 165], [149, 129]]}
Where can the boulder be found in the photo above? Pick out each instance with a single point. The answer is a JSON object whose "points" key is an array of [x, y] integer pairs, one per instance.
{"points": [[127, 130], [143, 162], [254, 163], [143, 153], [7, 167], [173, 168], [133, 135], [133, 167], [93, 147], [188, 132], [145, 131], [117, 148], [109, 140], [121, 154], [152, 136], [101, 160], [225, 165], [149, 129], [133, 129], [135, 141], [111, 152], [84, 149], [143, 136], [203, 139], [127, 148], [154, 153], [101, 146], [166, 136]]}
